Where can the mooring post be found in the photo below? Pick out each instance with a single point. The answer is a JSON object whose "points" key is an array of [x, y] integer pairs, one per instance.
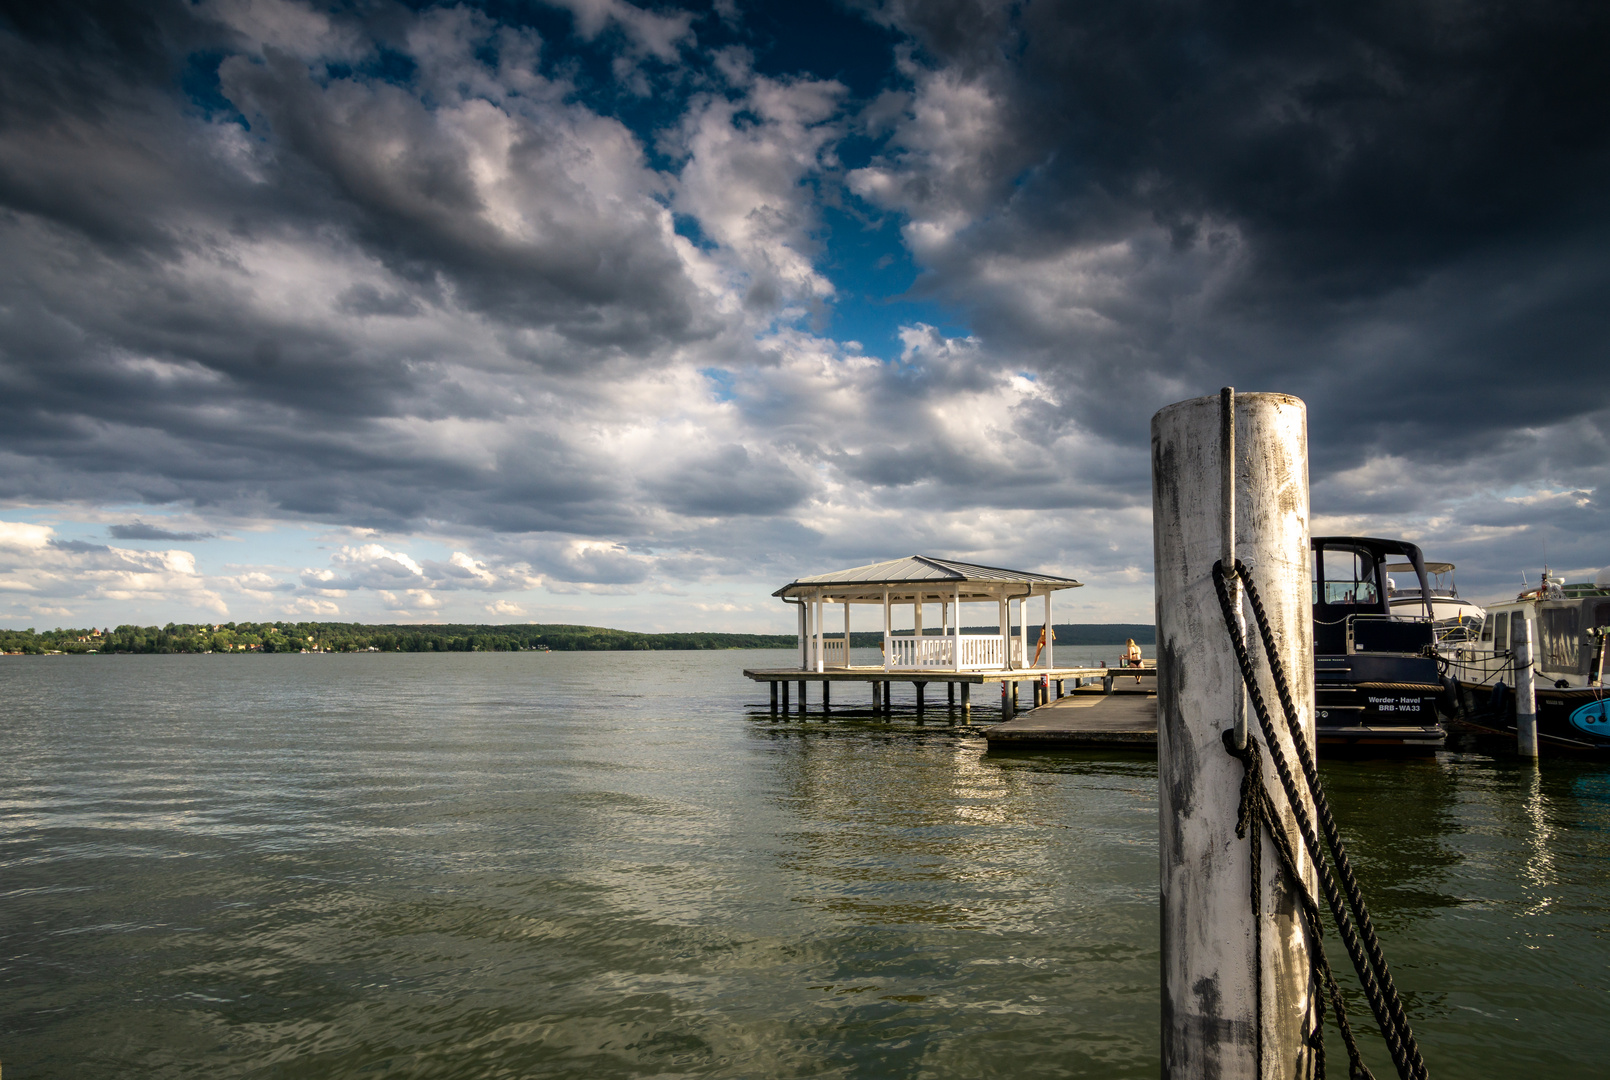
{"points": [[785, 697], [1525, 688], [950, 696], [967, 703], [1236, 992], [774, 697], [921, 686], [1006, 702], [802, 697], [827, 698]]}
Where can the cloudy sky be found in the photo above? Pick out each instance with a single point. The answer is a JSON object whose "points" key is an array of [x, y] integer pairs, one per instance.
{"points": [[587, 311]]}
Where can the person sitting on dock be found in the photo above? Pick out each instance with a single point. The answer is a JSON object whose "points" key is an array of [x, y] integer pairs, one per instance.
{"points": [[1132, 656], [1040, 647]]}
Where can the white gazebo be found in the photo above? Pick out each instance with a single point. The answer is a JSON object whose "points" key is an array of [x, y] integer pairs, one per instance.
{"points": [[919, 580]]}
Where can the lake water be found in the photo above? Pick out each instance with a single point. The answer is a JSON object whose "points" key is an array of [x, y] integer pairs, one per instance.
{"points": [[618, 865]]}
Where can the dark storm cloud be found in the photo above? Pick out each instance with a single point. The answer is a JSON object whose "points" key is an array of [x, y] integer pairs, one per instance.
{"points": [[139, 530], [1399, 211], [145, 358], [1364, 159], [420, 271]]}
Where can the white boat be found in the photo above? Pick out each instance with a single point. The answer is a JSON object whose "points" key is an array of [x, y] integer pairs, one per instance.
{"points": [[1453, 618], [1569, 626]]}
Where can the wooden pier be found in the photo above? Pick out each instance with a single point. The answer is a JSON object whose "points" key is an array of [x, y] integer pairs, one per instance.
{"points": [[1031, 688], [1087, 719]]}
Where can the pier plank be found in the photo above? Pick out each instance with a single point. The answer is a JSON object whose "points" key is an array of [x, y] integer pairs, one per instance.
{"points": [[1092, 720]]}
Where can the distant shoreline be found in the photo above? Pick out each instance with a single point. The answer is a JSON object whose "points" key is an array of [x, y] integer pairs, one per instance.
{"points": [[282, 637]]}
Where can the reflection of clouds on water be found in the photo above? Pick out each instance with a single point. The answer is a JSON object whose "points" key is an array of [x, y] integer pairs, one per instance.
{"points": [[926, 829]]}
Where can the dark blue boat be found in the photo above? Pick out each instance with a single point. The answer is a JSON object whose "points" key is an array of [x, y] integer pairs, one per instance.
{"points": [[1376, 683]]}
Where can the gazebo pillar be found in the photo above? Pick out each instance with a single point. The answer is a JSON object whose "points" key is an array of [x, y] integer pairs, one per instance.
{"points": [[818, 638], [847, 629], [1006, 632], [916, 619], [1023, 628], [956, 633], [888, 646], [1048, 634], [804, 637]]}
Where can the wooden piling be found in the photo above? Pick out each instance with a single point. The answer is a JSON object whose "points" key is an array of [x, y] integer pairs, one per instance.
{"points": [[802, 697], [1221, 960], [921, 686], [827, 697], [1520, 640], [967, 703], [774, 697]]}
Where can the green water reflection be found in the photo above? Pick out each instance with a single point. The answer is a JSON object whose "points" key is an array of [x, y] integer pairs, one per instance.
{"points": [[619, 866]]}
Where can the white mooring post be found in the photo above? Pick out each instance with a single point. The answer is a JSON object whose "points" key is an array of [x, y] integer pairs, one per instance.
{"points": [[1219, 958], [1525, 689]]}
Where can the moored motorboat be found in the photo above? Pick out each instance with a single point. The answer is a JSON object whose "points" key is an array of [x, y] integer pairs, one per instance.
{"points": [[1569, 624], [1376, 679], [1453, 618]]}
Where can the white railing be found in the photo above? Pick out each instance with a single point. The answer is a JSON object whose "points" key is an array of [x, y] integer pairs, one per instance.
{"points": [[977, 651], [834, 652]]}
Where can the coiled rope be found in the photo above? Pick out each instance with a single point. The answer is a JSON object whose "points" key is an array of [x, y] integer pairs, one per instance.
{"points": [[1363, 947]]}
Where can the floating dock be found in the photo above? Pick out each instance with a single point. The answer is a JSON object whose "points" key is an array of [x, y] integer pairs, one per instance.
{"points": [[1090, 719]]}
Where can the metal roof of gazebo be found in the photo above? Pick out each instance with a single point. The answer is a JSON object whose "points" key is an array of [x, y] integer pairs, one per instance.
{"points": [[921, 576]]}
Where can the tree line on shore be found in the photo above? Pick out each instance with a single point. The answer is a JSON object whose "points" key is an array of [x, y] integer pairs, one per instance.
{"points": [[249, 637]]}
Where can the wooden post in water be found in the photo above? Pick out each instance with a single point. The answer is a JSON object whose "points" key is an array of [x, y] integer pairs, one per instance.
{"points": [[920, 688], [774, 697], [1520, 640], [802, 697], [827, 697], [1220, 959], [967, 703]]}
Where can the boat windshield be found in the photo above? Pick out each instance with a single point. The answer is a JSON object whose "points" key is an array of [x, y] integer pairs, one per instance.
{"points": [[1348, 577]]}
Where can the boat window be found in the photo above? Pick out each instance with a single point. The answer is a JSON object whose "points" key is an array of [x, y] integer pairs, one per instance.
{"points": [[1487, 630], [1349, 577], [1501, 631], [1601, 615], [1559, 630]]}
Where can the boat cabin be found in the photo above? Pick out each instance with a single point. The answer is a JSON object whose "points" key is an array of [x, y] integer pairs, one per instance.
{"points": [[1453, 618], [1376, 682], [936, 590], [1568, 622]]}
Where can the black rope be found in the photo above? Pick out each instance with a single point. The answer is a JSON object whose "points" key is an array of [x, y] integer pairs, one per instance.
{"points": [[1363, 947], [1256, 808], [1333, 835]]}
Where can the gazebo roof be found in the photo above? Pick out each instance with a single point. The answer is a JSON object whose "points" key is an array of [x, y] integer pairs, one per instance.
{"points": [[925, 575]]}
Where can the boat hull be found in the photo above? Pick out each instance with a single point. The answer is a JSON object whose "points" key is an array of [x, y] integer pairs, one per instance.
{"points": [[1377, 704], [1570, 720]]}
